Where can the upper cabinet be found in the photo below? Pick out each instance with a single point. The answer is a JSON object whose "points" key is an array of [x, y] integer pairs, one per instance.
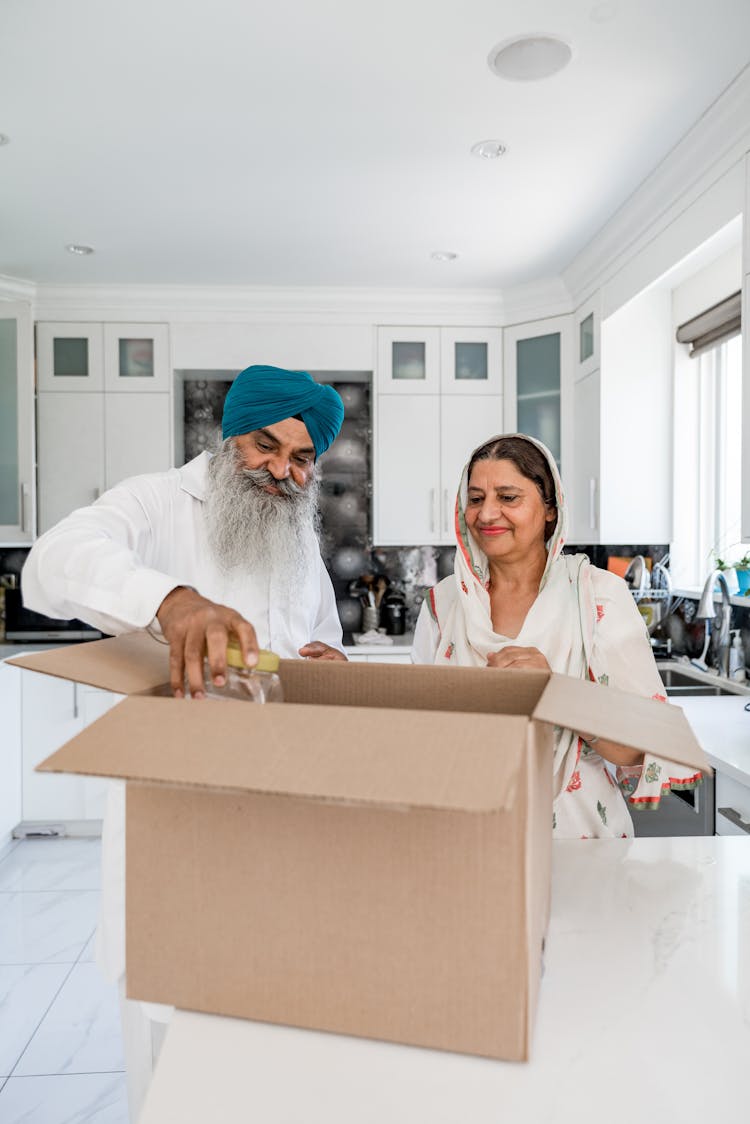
{"points": [[439, 361], [92, 357], [587, 338], [537, 363], [111, 384], [16, 423], [439, 395]]}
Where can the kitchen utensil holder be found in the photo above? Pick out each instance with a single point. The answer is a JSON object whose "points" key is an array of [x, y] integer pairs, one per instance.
{"points": [[370, 618]]}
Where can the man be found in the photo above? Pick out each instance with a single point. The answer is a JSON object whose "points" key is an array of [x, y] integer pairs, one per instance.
{"points": [[225, 545]]}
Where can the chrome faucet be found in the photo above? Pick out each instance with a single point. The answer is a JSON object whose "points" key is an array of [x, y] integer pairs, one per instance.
{"points": [[707, 611]]}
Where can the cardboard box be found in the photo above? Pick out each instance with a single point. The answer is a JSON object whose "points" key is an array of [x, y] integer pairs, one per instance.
{"points": [[370, 857]]}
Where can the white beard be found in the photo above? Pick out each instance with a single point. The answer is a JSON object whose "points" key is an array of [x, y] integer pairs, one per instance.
{"points": [[252, 531]]}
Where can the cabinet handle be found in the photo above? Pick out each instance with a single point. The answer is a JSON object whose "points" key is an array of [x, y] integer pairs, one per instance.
{"points": [[446, 513], [735, 818], [592, 503], [432, 511], [75, 700], [23, 509], [97, 493]]}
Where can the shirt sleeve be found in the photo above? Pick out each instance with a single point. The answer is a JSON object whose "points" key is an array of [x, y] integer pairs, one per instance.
{"points": [[327, 626], [93, 565], [426, 637], [622, 642]]}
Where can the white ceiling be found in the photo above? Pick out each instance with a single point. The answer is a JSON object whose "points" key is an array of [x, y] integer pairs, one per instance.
{"points": [[326, 142]]}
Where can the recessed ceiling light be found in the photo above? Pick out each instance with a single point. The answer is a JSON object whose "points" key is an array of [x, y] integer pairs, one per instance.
{"points": [[488, 149], [443, 255], [529, 58], [4, 139], [75, 248]]}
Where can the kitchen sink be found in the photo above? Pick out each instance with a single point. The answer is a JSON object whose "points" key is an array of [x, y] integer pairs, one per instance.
{"points": [[687, 681]]}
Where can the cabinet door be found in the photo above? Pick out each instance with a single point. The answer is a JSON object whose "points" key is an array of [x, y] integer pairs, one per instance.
{"points": [[537, 364], [407, 470], [471, 361], [583, 490], [408, 361], [70, 357], [136, 429], [136, 357], [51, 715], [16, 423], [465, 423], [71, 453], [10, 750]]}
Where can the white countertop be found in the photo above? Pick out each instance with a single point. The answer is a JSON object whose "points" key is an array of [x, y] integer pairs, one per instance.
{"points": [[644, 1013], [722, 726], [401, 646]]}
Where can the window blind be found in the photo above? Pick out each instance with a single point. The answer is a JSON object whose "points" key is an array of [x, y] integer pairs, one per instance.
{"points": [[718, 323]]}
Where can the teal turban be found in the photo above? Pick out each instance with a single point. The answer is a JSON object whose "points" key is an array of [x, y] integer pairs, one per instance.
{"points": [[261, 396]]}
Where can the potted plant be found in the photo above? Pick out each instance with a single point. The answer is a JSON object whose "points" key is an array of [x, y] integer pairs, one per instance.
{"points": [[742, 569]]}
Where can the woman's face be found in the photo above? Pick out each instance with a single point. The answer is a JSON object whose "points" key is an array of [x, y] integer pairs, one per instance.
{"points": [[505, 513]]}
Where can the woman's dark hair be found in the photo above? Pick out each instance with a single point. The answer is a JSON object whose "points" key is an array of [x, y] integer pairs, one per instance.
{"points": [[530, 462]]}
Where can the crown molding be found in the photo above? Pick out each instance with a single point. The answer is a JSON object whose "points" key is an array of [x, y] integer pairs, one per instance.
{"points": [[14, 288], [713, 146]]}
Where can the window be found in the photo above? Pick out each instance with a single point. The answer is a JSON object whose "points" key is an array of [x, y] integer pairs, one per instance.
{"points": [[708, 431]]}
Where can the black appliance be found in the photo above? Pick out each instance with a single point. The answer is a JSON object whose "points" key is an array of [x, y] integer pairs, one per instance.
{"points": [[22, 624]]}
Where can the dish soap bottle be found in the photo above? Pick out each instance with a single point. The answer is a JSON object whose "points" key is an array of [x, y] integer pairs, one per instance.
{"points": [[737, 658], [251, 684]]}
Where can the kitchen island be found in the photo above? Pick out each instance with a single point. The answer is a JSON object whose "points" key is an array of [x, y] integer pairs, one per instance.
{"points": [[644, 1013]]}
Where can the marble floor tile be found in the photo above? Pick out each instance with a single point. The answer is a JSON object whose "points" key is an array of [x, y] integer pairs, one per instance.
{"points": [[26, 993], [39, 928], [90, 1098], [52, 864], [80, 1033]]}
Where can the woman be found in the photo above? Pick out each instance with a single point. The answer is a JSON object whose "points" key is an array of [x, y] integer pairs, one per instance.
{"points": [[515, 601]]}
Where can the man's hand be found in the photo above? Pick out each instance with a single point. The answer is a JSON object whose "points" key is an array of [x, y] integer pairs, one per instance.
{"points": [[317, 650], [515, 658], [196, 627]]}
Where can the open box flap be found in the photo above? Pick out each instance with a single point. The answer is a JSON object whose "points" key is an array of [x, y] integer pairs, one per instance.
{"points": [[129, 664], [387, 757], [645, 724]]}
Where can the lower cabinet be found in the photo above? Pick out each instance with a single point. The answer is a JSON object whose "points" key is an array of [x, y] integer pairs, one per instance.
{"points": [[52, 711], [732, 805], [10, 750]]}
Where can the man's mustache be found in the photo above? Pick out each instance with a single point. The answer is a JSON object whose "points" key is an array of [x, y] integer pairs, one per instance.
{"points": [[262, 478]]}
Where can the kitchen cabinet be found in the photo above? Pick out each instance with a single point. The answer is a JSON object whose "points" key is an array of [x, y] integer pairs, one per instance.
{"points": [[732, 805], [89, 442], [537, 375], [103, 410], [53, 711], [583, 481], [10, 750], [439, 395], [421, 446], [80, 358], [447, 360], [17, 492]]}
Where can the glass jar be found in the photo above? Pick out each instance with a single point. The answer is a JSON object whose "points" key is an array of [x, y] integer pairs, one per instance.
{"points": [[251, 684]]}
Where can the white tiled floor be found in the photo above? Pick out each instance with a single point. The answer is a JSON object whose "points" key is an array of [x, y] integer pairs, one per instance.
{"points": [[60, 1043]]}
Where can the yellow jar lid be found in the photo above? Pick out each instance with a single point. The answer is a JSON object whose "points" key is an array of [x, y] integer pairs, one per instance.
{"points": [[267, 661]]}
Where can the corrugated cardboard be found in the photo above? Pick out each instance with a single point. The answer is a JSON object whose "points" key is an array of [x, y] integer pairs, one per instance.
{"points": [[370, 857]]}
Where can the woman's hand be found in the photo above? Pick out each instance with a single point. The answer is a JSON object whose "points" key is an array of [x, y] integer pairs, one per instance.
{"points": [[515, 658]]}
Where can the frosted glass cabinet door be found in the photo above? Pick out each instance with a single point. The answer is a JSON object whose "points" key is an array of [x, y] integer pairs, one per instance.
{"points": [[408, 361], [70, 357], [136, 357], [537, 369], [471, 361], [16, 423]]}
